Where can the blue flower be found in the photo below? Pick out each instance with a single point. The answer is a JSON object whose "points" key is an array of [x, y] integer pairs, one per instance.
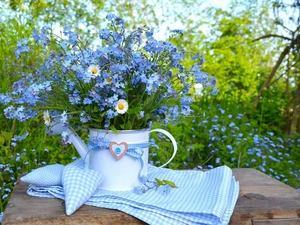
{"points": [[256, 139], [65, 137], [232, 124], [5, 196], [64, 118], [202, 60], [222, 111], [229, 147], [141, 113], [44, 36], [138, 190], [87, 101], [111, 114], [149, 33], [165, 189], [19, 137], [185, 105], [22, 47], [84, 118], [104, 34], [240, 116], [36, 36], [177, 31], [212, 82], [214, 91], [153, 46], [280, 140]]}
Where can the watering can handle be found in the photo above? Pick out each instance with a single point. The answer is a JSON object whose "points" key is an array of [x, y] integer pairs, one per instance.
{"points": [[172, 140]]}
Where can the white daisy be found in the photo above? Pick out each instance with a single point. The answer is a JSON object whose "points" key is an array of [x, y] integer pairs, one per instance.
{"points": [[122, 106], [94, 70], [47, 118], [108, 80], [198, 90]]}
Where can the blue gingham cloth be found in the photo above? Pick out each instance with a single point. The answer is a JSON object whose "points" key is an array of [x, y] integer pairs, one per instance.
{"points": [[201, 197], [79, 185], [50, 175]]}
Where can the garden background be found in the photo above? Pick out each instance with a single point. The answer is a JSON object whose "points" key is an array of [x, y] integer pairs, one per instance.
{"points": [[251, 47]]}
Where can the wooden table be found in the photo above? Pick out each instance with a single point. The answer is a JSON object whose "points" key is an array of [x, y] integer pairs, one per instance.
{"points": [[262, 201]]}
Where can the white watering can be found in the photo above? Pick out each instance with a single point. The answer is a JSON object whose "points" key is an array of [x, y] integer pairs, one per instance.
{"points": [[125, 160]]}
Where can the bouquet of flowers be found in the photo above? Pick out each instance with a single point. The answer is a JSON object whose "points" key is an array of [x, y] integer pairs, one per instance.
{"points": [[128, 81]]}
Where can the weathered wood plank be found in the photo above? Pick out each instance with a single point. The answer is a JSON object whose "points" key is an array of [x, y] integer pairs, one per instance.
{"points": [[280, 200], [260, 198], [277, 222], [23, 209]]}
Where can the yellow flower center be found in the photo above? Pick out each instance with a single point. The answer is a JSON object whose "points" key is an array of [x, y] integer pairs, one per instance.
{"points": [[94, 70], [108, 80], [121, 106], [47, 118]]}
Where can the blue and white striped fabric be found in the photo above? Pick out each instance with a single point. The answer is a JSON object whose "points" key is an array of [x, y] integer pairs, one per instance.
{"points": [[201, 198]]}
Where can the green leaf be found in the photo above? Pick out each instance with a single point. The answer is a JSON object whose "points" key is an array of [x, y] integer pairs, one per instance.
{"points": [[172, 184], [147, 116], [159, 182], [96, 109], [128, 125], [6, 135], [134, 110], [112, 127], [2, 140], [49, 147]]}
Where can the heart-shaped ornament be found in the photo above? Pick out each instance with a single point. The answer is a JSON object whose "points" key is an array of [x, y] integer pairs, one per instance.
{"points": [[118, 150], [79, 185]]}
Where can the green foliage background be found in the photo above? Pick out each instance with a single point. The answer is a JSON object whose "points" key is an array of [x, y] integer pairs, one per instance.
{"points": [[240, 63]]}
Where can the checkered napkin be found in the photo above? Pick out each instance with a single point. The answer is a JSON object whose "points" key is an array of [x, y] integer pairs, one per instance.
{"points": [[201, 197]]}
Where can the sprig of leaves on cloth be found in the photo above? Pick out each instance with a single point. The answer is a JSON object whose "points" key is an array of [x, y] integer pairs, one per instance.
{"points": [[163, 186]]}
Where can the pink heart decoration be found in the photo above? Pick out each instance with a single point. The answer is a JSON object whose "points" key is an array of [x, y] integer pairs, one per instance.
{"points": [[118, 150]]}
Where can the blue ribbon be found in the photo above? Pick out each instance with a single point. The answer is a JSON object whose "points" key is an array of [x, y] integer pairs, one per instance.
{"points": [[134, 150]]}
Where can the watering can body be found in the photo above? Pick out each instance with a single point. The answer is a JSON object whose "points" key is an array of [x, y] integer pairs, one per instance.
{"points": [[118, 174]]}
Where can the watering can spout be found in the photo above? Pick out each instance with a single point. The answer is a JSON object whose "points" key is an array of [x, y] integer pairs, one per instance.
{"points": [[81, 147], [79, 144]]}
